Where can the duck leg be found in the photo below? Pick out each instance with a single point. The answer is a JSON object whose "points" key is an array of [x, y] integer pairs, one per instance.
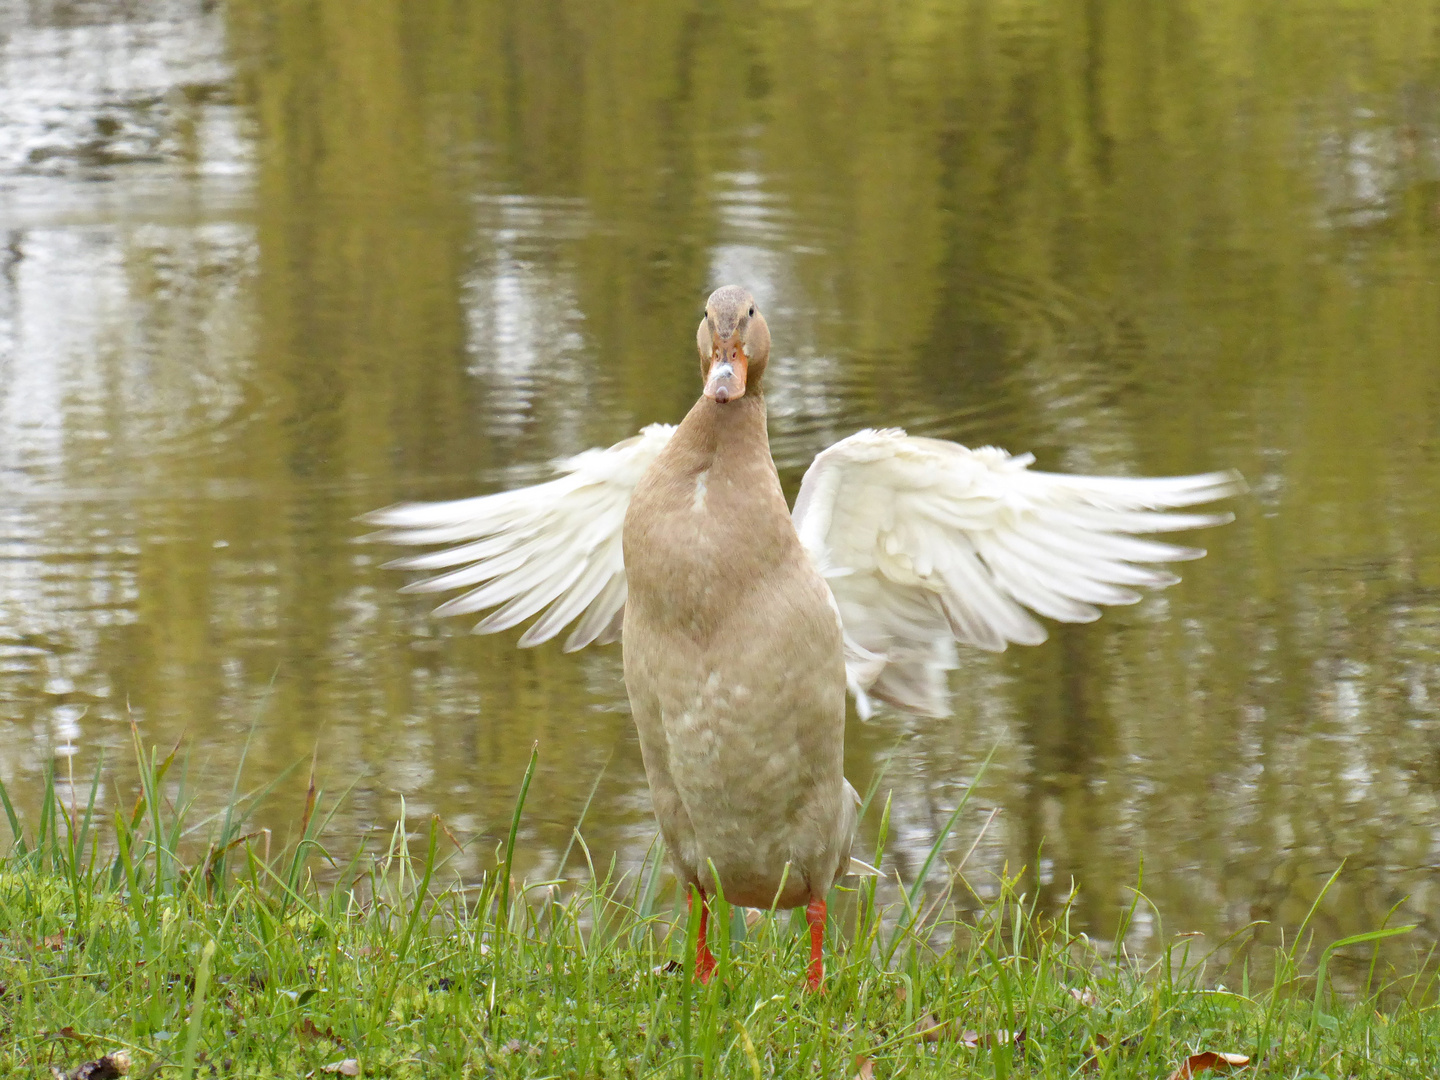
{"points": [[815, 916], [704, 959]]}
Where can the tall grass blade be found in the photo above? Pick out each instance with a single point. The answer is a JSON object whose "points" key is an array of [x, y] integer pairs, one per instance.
{"points": [[1354, 939], [197, 1010], [575, 832], [919, 883], [514, 832], [17, 834]]}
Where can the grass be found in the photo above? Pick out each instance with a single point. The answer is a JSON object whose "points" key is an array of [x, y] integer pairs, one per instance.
{"points": [[193, 947]]}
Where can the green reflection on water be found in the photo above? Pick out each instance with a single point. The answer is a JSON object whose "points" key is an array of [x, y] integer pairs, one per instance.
{"points": [[271, 265]]}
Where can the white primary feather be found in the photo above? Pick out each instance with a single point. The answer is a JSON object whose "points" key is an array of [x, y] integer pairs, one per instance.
{"points": [[926, 543], [555, 546]]}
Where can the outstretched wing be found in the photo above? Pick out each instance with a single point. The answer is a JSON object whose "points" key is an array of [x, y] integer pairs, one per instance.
{"points": [[555, 546], [926, 543]]}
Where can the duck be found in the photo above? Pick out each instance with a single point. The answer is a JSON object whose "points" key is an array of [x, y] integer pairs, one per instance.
{"points": [[745, 624]]}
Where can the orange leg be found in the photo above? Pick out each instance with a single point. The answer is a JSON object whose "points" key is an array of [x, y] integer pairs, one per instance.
{"points": [[815, 916], [704, 960]]}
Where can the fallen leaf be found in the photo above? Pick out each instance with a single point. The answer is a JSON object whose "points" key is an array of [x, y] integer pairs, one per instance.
{"points": [[1097, 1043], [308, 1030], [667, 968], [900, 993], [1208, 1059], [514, 1046], [752, 917], [109, 1067], [1084, 995], [929, 1029], [55, 941], [348, 1067], [864, 1068], [973, 1040]]}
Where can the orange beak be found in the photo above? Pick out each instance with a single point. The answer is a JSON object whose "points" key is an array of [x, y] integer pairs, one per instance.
{"points": [[726, 378]]}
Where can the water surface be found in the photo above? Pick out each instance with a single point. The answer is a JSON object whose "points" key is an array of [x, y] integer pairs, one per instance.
{"points": [[265, 266]]}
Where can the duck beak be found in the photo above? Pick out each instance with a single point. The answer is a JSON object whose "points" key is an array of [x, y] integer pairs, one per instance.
{"points": [[728, 365]]}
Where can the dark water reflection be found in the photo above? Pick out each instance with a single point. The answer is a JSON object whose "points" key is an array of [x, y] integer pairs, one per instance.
{"points": [[265, 266]]}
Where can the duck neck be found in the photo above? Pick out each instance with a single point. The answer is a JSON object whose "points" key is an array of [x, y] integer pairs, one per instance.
{"points": [[726, 436]]}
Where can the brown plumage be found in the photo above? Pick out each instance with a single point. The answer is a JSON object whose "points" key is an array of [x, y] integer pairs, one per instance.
{"points": [[733, 655]]}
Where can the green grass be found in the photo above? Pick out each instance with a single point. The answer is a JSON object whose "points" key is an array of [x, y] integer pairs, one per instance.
{"points": [[185, 943]]}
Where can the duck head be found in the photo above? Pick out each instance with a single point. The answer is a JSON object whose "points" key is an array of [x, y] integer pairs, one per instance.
{"points": [[734, 344]]}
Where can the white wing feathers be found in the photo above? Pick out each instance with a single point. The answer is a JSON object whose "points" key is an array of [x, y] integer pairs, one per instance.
{"points": [[926, 543], [555, 546]]}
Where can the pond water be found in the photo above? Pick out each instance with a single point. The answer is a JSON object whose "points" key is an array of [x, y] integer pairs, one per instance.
{"points": [[266, 266]]}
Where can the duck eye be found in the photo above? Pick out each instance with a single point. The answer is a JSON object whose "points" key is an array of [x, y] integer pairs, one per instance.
{"points": [[752, 311]]}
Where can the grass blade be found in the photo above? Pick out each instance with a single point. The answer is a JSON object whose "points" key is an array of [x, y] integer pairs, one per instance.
{"points": [[514, 832]]}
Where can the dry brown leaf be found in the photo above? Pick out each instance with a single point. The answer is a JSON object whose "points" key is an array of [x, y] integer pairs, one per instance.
{"points": [[667, 968], [308, 1030], [930, 1029], [1084, 995], [446, 829], [54, 941], [1206, 1060], [752, 917], [1099, 1042], [864, 1068], [1092, 1059], [348, 1067], [110, 1067]]}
